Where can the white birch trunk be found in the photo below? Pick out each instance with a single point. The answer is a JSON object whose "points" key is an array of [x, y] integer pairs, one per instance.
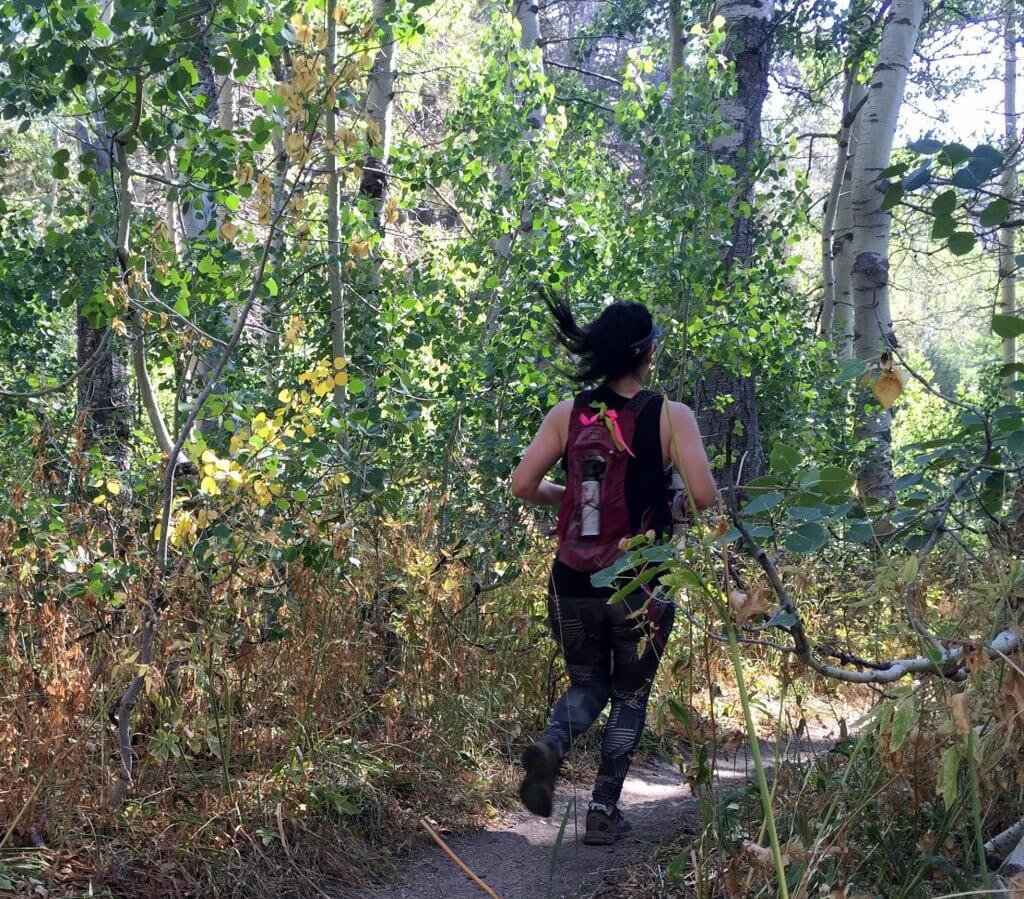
{"points": [[1007, 236], [842, 236], [380, 104], [226, 103], [872, 227], [829, 217]]}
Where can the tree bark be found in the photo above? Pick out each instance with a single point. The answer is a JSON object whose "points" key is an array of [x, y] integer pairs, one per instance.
{"points": [[874, 335], [749, 43], [1007, 236], [527, 13], [104, 403], [842, 237], [832, 243], [380, 97], [339, 318], [676, 41]]}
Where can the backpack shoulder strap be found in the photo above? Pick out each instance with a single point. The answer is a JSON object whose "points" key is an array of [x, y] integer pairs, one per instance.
{"points": [[639, 401]]}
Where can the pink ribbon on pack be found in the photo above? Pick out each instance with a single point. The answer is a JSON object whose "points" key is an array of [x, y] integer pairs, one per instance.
{"points": [[611, 421]]}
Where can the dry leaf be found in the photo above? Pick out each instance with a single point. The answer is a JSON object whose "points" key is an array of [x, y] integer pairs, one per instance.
{"points": [[888, 387], [359, 248], [228, 230], [1011, 694], [975, 657], [761, 856], [745, 606], [960, 707]]}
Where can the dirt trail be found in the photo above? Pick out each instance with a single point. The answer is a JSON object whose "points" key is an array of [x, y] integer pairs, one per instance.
{"points": [[514, 856]]}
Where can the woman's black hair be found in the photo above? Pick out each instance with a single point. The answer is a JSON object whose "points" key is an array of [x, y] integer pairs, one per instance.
{"points": [[612, 346]]}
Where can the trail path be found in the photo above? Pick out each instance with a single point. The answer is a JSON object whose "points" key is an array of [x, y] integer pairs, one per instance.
{"points": [[514, 855]]}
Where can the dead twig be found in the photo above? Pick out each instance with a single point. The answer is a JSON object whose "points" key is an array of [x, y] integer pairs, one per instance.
{"points": [[462, 866]]}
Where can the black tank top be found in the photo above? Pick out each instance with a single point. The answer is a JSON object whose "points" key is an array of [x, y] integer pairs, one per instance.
{"points": [[646, 486]]}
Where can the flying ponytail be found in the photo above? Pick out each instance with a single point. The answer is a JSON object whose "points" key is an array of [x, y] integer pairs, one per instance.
{"points": [[610, 347]]}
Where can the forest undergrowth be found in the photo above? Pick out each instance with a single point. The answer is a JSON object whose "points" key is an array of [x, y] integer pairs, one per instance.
{"points": [[297, 727]]}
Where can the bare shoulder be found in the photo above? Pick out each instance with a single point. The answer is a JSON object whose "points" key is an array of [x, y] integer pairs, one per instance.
{"points": [[679, 413], [558, 417]]}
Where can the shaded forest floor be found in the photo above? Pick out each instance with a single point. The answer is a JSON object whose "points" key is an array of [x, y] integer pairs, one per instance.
{"points": [[521, 856]]}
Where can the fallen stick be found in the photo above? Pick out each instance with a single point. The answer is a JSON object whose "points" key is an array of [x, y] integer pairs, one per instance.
{"points": [[1003, 844], [443, 846]]}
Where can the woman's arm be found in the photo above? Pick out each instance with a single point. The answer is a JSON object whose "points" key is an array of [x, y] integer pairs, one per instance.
{"points": [[686, 450], [528, 481]]}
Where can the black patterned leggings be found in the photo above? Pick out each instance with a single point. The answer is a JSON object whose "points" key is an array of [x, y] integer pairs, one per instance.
{"points": [[611, 652]]}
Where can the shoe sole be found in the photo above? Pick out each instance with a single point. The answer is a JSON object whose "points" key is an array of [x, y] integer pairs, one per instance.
{"points": [[536, 790]]}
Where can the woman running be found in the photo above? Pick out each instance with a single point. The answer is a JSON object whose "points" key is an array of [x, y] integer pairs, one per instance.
{"points": [[614, 441]]}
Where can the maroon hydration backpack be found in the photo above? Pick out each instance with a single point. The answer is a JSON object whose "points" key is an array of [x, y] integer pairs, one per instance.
{"points": [[594, 515]]}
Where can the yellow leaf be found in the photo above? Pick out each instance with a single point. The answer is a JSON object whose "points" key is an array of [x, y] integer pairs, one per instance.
{"points": [[208, 456], [340, 362], [276, 489], [888, 387], [285, 396], [718, 23], [359, 248], [113, 487], [340, 379], [100, 500], [118, 327], [209, 485]]}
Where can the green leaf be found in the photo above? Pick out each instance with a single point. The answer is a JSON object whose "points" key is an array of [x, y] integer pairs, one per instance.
{"points": [[762, 503], [606, 576], [894, 171], [926, 146], [944, 203], [1008, 326], [806, 539], [961, 242], [859, 532], [645, 577], [949, 775], [902, 720], [75, 76], [271, 287], [784, 458], [918, 178], [892, 197], [181, 306], [997, 212], [953, 154], [782, 619], [851, 369], [836, 480], [943, 227]]}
